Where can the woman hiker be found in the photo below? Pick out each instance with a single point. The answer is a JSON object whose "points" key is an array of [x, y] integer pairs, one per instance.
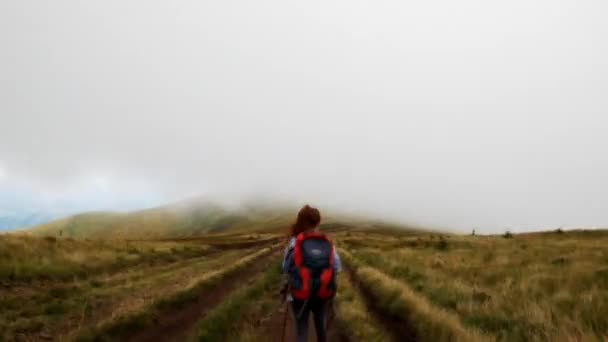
{"points": [[311, 264]]}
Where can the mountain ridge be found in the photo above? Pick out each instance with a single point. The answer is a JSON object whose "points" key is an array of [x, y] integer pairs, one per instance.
{"points": [[189, 219], [160, 222]]}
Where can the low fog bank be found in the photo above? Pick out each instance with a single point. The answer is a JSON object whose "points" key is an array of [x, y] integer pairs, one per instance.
{"points": [[456, 115]]}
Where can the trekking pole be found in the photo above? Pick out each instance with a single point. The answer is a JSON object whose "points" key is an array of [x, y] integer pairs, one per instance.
{"points": [[284, 322], [302, 309], [284, 293]]}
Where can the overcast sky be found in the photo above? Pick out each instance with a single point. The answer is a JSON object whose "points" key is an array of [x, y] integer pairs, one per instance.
{"points": [[459, 114]]}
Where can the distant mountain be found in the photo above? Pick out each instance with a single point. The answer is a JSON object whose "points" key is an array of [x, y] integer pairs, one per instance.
{"points": [[180, 220], [189, 219]]}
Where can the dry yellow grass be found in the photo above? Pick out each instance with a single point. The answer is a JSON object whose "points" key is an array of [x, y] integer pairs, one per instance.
{"points": [[551, 286], [428, 322], [75, 285], [26, 258], [353, 316]]}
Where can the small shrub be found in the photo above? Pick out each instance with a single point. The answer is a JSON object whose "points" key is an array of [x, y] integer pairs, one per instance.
{"points": [[61, 291], [442, 244], [507, 235], [96, 283], [121, 260], [50, 239], [56, 308], [411, 243], [133, 251], [437, 263], [601, 277], [481, 297]]}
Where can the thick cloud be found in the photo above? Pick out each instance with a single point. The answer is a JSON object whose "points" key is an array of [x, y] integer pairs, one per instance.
{"points": [[457, 114]]}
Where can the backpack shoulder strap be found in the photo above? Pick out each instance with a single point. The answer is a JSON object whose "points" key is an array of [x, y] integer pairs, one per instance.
{"points": [[297, 249]]}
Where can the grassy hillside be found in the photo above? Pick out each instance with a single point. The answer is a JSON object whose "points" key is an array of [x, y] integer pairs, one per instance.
{"points": [[175, 221], [190, 219]]}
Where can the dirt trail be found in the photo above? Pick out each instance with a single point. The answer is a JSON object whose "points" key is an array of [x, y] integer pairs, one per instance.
{"points": [[396, 327], [280, 327], [177, 325]]}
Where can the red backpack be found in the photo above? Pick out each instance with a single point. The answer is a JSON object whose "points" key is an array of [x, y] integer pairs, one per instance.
{"points": [[312, 271]]}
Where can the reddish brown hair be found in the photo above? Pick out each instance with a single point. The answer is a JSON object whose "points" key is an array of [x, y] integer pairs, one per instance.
{"points": [[308, 218]]}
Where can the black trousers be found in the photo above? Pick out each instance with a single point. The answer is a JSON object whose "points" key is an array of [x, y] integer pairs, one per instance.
{"points": [[300, 312]]}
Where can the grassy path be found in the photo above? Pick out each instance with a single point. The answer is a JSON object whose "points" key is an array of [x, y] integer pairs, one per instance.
{"points": [[278, 325], [64, 307], [177, 323], [237, 318], [61, 310], [134, 295], [172, 315]]}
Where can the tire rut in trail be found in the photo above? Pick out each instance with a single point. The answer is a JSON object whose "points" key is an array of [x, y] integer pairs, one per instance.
{"points": [[400, 330], [177, 325]]}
